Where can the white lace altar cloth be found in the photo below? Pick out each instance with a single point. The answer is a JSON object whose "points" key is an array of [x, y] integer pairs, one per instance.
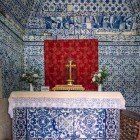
{"points": [[66, 99]]}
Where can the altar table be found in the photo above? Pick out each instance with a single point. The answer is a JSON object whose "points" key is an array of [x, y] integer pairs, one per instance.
{"points": [[71, 115]]}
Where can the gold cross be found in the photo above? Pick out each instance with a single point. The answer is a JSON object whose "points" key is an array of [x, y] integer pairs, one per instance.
{"points": [[70, 66]]}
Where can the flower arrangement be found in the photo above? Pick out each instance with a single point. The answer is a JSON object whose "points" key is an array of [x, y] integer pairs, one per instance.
{"points": [[30, 76], [100, 76]]}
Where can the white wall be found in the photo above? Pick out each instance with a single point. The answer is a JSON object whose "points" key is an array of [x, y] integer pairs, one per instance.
{"points": [[5, 121]]}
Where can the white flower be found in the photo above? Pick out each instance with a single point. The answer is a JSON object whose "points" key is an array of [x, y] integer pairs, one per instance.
{"points": [[35, 75], [95, 75], [100, 71], [93, 79], [99, 75], [24, 75]]}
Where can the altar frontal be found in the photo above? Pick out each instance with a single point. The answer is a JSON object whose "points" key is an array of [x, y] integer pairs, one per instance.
{"points": [[66, 115]]}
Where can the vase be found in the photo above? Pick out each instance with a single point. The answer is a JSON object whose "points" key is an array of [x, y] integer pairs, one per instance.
{"points": [[100, 87], [31, 87]]}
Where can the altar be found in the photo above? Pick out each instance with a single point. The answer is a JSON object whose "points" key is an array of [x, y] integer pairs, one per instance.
{"points": [[65, 115]]}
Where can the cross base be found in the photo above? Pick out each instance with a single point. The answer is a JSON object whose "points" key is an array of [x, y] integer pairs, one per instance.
{"points": [[70, 82]]}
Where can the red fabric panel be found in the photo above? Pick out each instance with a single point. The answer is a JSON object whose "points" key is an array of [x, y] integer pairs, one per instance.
{"points": [[84, 52]]}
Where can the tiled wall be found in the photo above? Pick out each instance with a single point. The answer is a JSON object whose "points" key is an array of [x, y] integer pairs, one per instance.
{"points": [[11, 56], [123, 64], [115, 23], [17, 10], [34, 57]]}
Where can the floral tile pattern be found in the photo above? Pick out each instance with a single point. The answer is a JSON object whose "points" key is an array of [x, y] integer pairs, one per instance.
{"points": [[63, 123], [77, 16]]}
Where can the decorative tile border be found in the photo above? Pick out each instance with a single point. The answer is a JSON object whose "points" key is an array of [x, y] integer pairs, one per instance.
{"points": [[81, 17], [103, 39]]}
